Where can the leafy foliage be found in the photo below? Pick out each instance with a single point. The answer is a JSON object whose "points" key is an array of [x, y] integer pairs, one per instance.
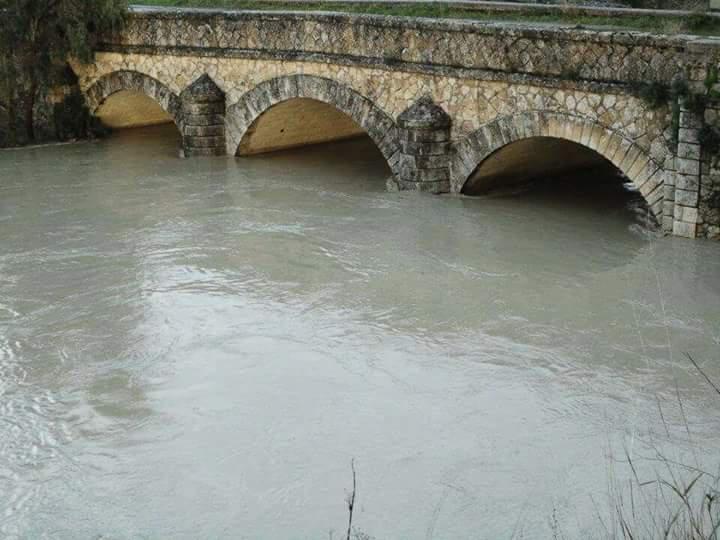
{"points": [[37, 37], [699, 21], [655, 94]]}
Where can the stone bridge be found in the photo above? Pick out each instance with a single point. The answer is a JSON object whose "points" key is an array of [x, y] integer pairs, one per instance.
{"points": [[454, 106]]}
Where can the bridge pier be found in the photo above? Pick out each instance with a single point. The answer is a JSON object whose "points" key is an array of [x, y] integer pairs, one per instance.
{"points": [[687, 178], [424, 133], [203, 119]]}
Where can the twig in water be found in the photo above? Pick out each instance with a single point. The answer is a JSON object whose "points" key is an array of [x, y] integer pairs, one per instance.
{"points": [[351, 500], [694, 363]]}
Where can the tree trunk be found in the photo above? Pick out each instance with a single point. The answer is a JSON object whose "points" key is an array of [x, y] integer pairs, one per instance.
{"points": [[30, 111], [12, 118]]}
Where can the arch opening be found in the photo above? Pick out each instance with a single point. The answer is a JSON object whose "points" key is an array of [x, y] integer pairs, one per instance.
{"points": [[531, 145], [295, 123], [131, 109], [128, 99], [564, 178], [538, 158], [299, 110]]}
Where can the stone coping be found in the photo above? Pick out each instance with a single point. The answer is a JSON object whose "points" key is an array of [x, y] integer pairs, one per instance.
{"points": [[554, 7], [564, 31]]}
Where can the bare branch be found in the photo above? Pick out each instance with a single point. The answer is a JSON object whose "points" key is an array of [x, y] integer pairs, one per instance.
{"points": [[709, 381]]}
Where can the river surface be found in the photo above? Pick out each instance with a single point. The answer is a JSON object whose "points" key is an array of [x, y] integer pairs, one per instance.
{"points": [[200, 348]]}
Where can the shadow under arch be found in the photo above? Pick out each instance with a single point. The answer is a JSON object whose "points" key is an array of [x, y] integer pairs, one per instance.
{"points": [[647, 175], [380, 127], [134, 81]]}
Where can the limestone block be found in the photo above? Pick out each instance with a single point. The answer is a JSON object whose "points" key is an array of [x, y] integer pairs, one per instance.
{"points": [[688, 151], [687, 230], [691, 136], [686, 213], [687, 182], [690, 120], [686, 198], [688, 166]]}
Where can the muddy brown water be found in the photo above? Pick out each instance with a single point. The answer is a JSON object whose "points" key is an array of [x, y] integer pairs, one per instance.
{"points": [[199, 348]]}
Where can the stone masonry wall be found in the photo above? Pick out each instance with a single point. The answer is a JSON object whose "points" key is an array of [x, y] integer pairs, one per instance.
{"points": [[442, 45], [470, 102], [477, 73]]}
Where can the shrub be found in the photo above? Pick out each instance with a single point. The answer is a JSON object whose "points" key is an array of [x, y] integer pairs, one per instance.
{"points": [[655, 94]]}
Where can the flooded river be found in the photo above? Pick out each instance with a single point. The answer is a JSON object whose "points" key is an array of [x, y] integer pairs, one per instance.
{"points": [[199, 348]]}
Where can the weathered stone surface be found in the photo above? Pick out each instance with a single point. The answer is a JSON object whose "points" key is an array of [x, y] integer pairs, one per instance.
{"points": [[436, 97], [426, 160], [689, 135], [686, 198], [424, 116], [203, 112], [425, 187], [204, 119], [689, 167], [504, 49], [203, 151], [425, 149], [690, 120], [216, 130], [426, 135], [688, 151], [686, 213], [204, 90], [681, 228], [440, 161], [203, 141], [204, 108], [687, 182]]}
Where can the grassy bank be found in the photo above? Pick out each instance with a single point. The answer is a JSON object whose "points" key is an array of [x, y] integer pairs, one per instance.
{"points": [[698, 23]]}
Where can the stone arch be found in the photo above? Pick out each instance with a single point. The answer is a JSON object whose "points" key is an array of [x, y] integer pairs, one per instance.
{"points": [[646, 174], [377, 124], [117, 81]]}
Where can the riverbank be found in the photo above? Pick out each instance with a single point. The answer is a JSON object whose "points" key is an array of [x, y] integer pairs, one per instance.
{"points": [[47, 144], [646, 20]]}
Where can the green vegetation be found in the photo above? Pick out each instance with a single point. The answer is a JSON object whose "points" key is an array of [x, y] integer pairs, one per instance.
{"points": [[699, 22], [681, 501], [710, 135], [36, 39], [656, 95]]}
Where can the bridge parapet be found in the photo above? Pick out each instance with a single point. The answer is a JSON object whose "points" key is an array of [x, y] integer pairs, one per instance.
{"points": [[455, 47]]}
